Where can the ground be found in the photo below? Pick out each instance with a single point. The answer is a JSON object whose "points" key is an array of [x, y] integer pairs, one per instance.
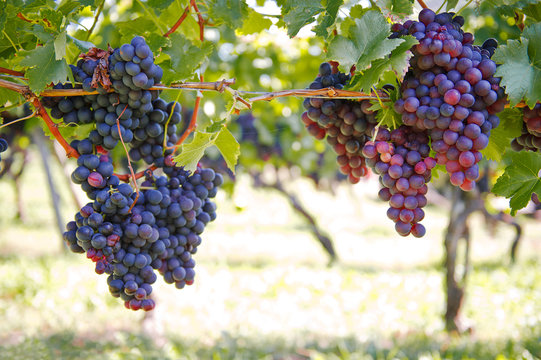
{"points": [[263, 289]]}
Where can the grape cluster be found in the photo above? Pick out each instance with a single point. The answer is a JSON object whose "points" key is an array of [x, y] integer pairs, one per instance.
{"points": [[129, 235], [531, 130], [346, 124], [3, 147], [401, 159], [450, 91], [161, 232]]}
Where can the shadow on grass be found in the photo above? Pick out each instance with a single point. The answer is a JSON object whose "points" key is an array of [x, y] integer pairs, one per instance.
{"points": [[123, 345]]}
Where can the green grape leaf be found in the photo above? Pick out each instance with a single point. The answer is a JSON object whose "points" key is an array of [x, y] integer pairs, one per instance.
{"points": [[229, 148], [397, 62], [159, 4], [192, 152], [229, 12], [521, 67], [60, 46], [400, 8], [500, 138], [530, 8], [156, 41], [254, 23], [329, 18], [3, 15], [69, 6], [385, 113], [298, 13], [44, 68], [83, 46], [366, 41], [142, 26], [520, 180], [9, 96], [182, 58], [451, 4], [52, 19]]}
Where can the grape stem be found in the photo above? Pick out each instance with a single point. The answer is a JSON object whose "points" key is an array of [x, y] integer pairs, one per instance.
{"points": [[191, 125], [179, 22], [70, 152], [129, 160], [17, 120], [11, 72], [89, 32], [422, 3], [200, 21]]}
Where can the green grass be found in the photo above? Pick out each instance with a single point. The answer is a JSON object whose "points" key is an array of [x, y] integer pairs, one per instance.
{"points": [[263, 290]]}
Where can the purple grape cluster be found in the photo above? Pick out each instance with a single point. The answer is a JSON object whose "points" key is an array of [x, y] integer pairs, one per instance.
{"points": [[401, 159], [451, 92], [530, 139], [347, 125], [161, 232]]}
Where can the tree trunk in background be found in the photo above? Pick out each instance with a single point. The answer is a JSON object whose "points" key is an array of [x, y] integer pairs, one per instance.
{"points": [[463, 205], [62, 160], [55, 198], [319, 234]]}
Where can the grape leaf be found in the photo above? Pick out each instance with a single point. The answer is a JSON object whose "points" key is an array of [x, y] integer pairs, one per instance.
{"points": [[229, 148], [182, 58], [451, 4], [500, 138], [228, 12], [142, 26], [400, 8], [254, 23], [84, 46], [60, 46], [159, 4], [397, 62], [329, 17], [3, 15], [192, 152], [385, 113], [9, 96], [521, 67], [520, 179], [367, 41], [44, 68], [531, 8], [298, 13]]}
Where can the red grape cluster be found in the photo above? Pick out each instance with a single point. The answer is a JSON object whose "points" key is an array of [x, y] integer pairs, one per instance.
{"points": [[347, 125], [401, 158], [450, 91], [531, 130]]}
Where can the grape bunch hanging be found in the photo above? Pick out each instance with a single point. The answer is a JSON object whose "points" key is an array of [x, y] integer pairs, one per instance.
{"points": [[448, 105], [530, 139], [127, 235]]}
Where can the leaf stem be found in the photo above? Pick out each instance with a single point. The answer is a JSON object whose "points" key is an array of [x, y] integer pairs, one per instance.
{"points": [[179, 21], [441, 6], [17, 120], [129, 160], [70, 152], [422, 3], [465, 6]]}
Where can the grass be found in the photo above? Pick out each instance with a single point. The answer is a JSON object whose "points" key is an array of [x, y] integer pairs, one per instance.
{"points": [[263, 290]]}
